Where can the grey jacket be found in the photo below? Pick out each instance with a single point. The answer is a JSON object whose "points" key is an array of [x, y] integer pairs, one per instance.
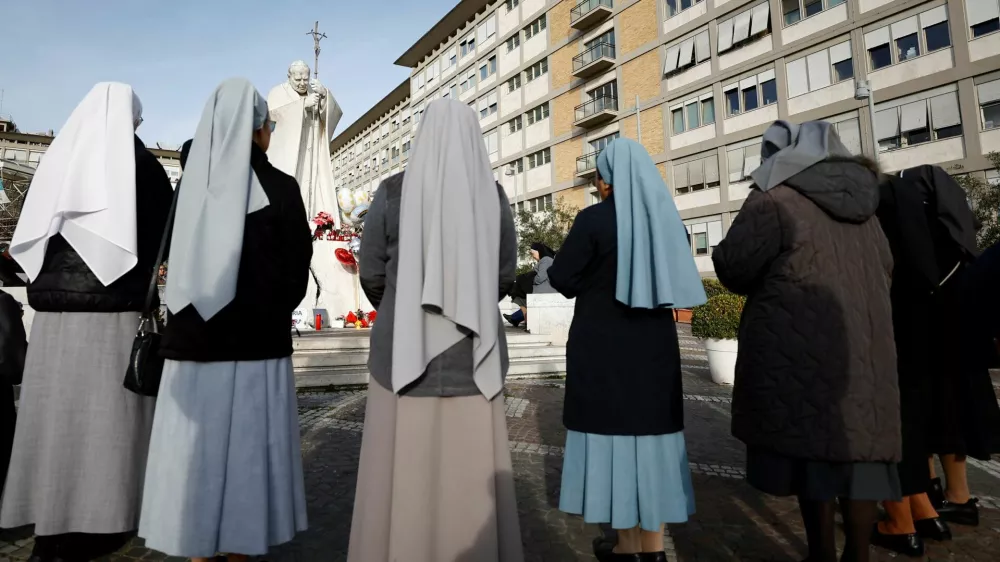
{"points": [[541, 282], [449, 374]]}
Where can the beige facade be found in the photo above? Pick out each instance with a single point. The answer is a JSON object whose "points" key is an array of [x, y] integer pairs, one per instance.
{"points": [[553, 81]]}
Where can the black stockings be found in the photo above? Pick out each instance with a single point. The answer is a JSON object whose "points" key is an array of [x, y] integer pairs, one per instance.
{"points": [[818, 517]]}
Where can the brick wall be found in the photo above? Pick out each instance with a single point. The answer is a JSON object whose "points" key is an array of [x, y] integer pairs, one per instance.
{"points": [[640, 76], [558, 20], [576, 197], [636, 26], [563, 112], [561, 65], [652, 129], [564, 157]]}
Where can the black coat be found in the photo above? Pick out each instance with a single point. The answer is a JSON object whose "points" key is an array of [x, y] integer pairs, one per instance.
{"points": [[274, 272], [623, 366], [66, 284], [816, 371], [930, 230], [13, 347]]}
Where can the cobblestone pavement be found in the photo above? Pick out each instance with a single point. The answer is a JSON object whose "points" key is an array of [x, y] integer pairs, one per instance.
{"points": [[734, 522]]}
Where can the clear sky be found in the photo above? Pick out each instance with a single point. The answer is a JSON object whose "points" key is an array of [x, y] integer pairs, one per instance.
{"points": [[175, 52]]}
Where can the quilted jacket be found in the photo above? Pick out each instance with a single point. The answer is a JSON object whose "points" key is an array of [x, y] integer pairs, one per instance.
{"points": [[816, 372]]}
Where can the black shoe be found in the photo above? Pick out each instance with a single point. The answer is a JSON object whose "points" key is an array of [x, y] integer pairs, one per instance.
{"points": [[933, 529], [510, 319], [653, 556], [936, 493], [910, 545], [604, 551], [36, 558], [960, 513]]}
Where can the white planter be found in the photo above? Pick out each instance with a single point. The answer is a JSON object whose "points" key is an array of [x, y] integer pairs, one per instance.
{"points": [[722, 359]]}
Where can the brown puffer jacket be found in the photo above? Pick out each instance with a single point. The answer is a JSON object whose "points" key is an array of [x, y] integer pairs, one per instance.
{"points": [[816, 373]]}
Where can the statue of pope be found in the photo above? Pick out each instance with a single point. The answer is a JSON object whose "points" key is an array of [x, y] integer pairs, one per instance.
{"points": [[305, 116]]}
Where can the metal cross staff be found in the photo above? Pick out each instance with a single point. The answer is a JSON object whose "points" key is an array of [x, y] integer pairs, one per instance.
{"points": [[317, 37]]}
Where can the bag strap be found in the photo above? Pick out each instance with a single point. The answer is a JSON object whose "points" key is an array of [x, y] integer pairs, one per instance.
{"points": [[159, 255]]}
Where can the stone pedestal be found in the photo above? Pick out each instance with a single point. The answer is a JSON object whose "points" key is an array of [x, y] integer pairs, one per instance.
{"points": [[550, 315]]}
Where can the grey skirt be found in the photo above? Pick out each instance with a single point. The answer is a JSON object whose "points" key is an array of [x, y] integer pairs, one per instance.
{"points": [[225, 461], [81, 439], [435, 482], [779, 475]]}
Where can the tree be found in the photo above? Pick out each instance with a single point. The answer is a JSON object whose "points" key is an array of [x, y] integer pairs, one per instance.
{"points": [[985, 199], [549, 227]]}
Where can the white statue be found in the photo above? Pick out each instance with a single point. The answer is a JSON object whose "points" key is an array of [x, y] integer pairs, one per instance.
{"points": [[305, 115]]}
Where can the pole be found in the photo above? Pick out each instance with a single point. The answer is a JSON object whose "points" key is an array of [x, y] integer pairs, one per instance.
{"points": [[871, 118], [638, 124]]}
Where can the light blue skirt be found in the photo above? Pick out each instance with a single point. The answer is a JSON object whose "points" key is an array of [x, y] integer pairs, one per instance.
{"points": [[626, 480]]}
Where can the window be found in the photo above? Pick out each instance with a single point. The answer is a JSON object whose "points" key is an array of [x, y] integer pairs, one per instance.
{"points": [[675, 7], [468, 45], [745, 27], [406, 115], [514, 84], [517, 165], [513, 42], [819, 70], [696, 175], [536, 70], [687, 53], [751, 93], [539, 158], [693, 113], [511, 4], [451, 58], [705, 235], [743, 160], [535, 28], [849, 132], [491, 142], [433, 70], [983, 16], [989, 104], [937, 36], [606, 38], [418, 80], [538, 114], [793, 10], [910, 121], [597, 145], [469, 82], [535, 205], [908, 38], [489, 68], [487, 29], [488, 106], [515, 125]]}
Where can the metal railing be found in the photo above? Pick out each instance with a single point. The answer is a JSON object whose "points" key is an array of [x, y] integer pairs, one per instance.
{"points": [[598, 51], [587, 162], [596, 105], [585, 7]]}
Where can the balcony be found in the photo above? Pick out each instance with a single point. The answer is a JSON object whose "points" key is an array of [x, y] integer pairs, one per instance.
{"points": [[589, 13], [586, 165], [596, 112], [594, 60]]}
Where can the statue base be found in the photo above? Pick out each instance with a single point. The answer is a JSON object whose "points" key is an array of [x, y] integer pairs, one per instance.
{"points": [[333, 287]]}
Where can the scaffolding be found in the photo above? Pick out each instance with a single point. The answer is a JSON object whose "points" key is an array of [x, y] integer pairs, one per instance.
{"points": [[14, 181]]}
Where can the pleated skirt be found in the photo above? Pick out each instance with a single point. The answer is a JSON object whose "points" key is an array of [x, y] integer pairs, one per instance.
{"points": [[627, 481], [225, 462], [81, 439], [435, 482], [780, 475]]}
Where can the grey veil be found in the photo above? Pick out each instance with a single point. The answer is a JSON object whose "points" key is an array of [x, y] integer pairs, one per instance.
{"points": [[787, 149], [219, 190], [449, 243]]}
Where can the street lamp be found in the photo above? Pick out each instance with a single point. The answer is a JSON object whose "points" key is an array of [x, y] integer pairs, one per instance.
{"points": [[863, 91]]}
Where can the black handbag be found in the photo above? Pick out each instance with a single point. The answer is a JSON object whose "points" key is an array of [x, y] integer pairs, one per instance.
{"points": [[145, 366]]}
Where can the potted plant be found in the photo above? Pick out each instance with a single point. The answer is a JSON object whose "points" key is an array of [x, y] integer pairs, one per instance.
{"points": [[718, 323], [712, 288]]}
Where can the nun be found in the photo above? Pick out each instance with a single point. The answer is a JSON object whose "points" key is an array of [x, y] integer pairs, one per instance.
{"points": [[627, 263], [87, 239], [435, 481], [225, 465]]}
